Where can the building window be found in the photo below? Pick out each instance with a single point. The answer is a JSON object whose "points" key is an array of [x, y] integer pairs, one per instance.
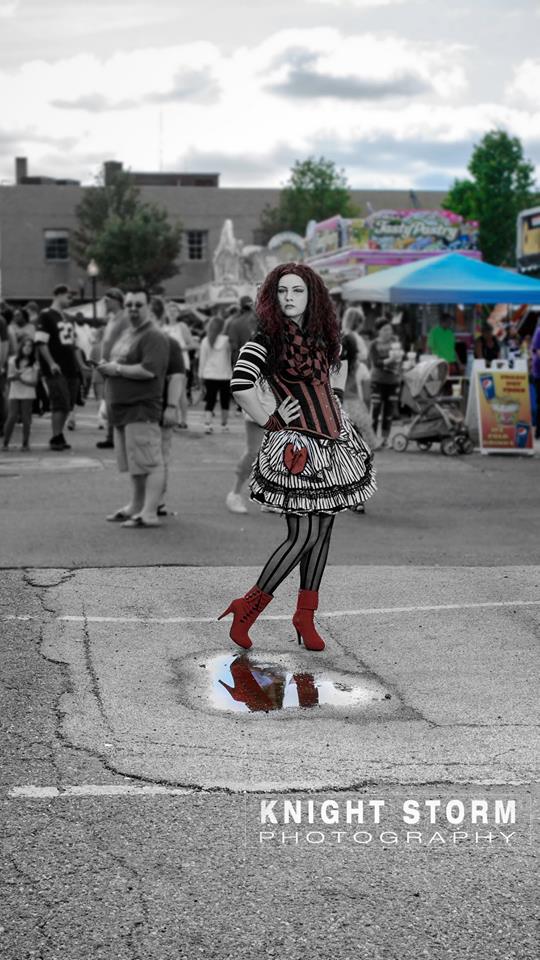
{"points": [[57, 244], [197, 244]]}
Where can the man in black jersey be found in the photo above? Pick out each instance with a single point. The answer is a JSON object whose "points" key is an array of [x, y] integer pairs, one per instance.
{"points": [[56, 343]]}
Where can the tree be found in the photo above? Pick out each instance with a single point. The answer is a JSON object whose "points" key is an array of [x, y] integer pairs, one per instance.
{"points": [[133, 242], [462, 199], [502, 184], [316, 189], [141, 250]]}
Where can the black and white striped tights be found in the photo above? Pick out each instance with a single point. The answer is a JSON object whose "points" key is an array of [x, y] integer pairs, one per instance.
{"points": [[307, 544]]}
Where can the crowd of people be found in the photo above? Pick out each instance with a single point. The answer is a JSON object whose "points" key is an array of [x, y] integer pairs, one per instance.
{"points": [[146, 384]]}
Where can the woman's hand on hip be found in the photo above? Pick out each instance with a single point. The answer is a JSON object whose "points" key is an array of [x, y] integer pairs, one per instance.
{"points": [[289, 410]]}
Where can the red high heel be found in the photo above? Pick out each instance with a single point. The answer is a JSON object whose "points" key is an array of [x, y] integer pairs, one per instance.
{"points": [[308, 601], [246, 609]]}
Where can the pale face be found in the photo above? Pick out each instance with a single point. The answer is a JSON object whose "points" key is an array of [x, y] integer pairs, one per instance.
{"points": [[386, 333], [173, 311], [64, 300], [292, 296], [136, 305], [27, 347]]}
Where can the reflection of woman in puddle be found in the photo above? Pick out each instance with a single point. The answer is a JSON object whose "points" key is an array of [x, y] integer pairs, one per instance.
{"points": [[259, 690], [265, 689], [312, 462]]}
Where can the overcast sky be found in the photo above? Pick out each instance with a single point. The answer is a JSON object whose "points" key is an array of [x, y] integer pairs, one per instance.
{"points": [[395, 91]]}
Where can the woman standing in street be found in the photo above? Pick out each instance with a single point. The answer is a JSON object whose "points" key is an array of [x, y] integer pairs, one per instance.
{"points": [[215, 371], [312, 462], [181, 332], [385, 362]]}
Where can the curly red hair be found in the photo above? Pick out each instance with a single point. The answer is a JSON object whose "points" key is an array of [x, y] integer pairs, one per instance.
{"points": [[321, 322]]}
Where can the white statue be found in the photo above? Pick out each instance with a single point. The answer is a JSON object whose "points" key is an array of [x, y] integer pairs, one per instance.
{"points": [[227, 268]]}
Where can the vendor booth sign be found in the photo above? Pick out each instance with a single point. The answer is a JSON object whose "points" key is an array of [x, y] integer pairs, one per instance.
{"points": [[425, 230], [407, 231], [501, 400]]}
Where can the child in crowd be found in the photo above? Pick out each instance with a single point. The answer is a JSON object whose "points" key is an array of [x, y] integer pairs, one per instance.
{"points": [[23, 373]]}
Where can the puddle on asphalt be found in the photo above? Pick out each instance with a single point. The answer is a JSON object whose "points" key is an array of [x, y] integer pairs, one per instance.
{"points": [[240, 683]]}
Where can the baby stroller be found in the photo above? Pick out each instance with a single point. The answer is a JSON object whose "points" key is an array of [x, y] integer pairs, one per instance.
{"points": [[436, 419]]}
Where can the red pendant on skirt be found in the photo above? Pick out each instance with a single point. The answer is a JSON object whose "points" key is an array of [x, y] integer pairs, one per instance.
{"points": [[295, 459]]}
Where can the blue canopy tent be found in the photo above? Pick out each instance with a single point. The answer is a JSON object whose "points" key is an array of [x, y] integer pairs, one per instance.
{"points": [[451, 278]]}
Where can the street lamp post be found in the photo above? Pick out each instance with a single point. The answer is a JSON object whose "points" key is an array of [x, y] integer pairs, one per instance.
{"points": [[93, 272]]}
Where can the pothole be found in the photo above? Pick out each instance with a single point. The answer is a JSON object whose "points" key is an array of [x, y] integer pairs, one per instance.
{"points": [[244, 683]]}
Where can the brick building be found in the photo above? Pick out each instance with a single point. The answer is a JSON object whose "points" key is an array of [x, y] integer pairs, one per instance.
{"points": [[37, 220]]}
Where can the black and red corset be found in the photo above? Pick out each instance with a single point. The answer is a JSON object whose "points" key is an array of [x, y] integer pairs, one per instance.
{"points": [[319, 410]]}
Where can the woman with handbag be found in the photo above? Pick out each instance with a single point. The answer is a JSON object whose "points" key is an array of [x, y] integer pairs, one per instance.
{"points": [[312, 462]]}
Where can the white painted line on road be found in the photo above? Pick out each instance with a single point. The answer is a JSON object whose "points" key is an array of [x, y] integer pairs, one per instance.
{"points": [[32, 792], [422, 609], [115, 790], [362, 611], [12, 616]]}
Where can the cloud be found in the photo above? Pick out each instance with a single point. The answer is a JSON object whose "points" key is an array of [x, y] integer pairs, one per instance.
{"points": [[383, 161], [360, 158], [360, 4], [240, 167], [364, 66], [420, 161], [74, 19], [8, 10], [311, 84], [194, 105], [92, 103], [14, 138], [195, 86], [525, 86]]}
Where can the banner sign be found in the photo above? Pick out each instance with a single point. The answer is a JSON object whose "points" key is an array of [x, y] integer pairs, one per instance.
{"points": [[426, 230], [504, 411], [406, 230]]}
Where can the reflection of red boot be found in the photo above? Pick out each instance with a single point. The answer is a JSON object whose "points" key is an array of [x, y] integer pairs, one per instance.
{"points": [[247, 690], [246, 609], [308, 695], [308, 601]]}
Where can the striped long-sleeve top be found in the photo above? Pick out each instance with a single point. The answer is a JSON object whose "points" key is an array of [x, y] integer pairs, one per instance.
{"points": [[319, 409]]}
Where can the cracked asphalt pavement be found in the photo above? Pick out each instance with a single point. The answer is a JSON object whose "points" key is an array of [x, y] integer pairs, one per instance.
{"points": [[132, 804]]}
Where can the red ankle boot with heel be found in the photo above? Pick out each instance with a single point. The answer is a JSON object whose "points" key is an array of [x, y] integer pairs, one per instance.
{"points": [[246, 609], [308, 601]]}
